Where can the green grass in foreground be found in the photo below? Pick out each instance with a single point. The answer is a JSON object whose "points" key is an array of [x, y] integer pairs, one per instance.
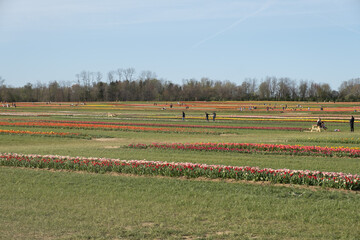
{"points": [[68, 205]]}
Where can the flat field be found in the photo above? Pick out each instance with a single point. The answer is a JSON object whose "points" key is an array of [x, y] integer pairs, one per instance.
{"points": [[66, 204]]}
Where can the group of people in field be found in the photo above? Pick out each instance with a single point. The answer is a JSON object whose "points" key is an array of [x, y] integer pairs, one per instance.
{"points": [[206, 116], [321, 123], [7, 105]]}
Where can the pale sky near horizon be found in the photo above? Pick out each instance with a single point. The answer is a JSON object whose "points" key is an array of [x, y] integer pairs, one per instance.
{"points": [[315, 40]]}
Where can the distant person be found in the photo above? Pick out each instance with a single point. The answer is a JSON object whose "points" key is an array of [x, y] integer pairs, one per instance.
{"points": [[323, 125], [183, 116], [207, 116], [318, 122], [352, 121], [214, 116]]}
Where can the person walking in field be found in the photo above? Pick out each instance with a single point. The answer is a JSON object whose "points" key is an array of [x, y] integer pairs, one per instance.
{"points": [[183, 116], [352, 121], [214, 116], [207, 116]]}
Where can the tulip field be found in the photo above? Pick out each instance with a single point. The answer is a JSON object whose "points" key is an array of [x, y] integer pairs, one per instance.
{"points": [[142, 170]]}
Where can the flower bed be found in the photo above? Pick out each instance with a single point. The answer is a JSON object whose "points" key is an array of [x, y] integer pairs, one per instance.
{"points": [[37, 133], [328, 140], [256, 148], [94, 123], [190, 170], [100, 126]]}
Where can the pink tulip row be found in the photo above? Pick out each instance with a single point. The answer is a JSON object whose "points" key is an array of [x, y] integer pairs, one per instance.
{"points": [[189, 170], [256, 148]]}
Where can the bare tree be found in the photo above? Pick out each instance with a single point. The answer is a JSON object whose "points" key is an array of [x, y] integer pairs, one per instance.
{"points": [[85, 78], [2, 81], [120, 73], [129, 74], [249, 88], [99, 77], [350, 90], [147, 75], [92, 76], [284, 91], [3, 91], [324, 92], [313, 91], [77, 78], [110, 76], [303, 89], [264, 90]]}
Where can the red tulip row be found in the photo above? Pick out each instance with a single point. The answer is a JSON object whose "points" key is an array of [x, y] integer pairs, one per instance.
{"points": [[190, 170], [256, 148], [174, 125], [99, 126]]}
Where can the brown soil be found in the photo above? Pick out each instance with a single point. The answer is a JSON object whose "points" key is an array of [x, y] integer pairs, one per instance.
{"points": [[111, 147], [108, 139]]}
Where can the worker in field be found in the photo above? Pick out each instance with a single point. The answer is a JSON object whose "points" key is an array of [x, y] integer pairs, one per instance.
{"points": [[214, 116], [352, 121]]}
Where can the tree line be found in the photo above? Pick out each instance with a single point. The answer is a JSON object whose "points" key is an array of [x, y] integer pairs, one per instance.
{"points": [[124, 85]]}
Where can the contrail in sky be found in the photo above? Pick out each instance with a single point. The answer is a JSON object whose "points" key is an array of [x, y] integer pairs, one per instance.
{"points": [[262, 8]]}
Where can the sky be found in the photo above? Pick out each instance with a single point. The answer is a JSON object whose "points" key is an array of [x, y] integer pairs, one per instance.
{"points": [[314, 40]]}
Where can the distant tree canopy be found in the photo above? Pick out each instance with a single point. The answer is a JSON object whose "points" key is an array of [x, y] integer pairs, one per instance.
{"points": [[123, 85]]}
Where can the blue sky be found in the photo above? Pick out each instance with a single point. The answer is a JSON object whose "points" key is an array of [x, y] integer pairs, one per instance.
{"points": [[315, 40]]}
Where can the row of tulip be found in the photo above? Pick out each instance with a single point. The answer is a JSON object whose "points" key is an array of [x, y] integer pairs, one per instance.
{"points": [[105, 126], [39, 133], [260, 106], [256, 148], [166, 125], [189, 170], [329, 140], [255, 118]]}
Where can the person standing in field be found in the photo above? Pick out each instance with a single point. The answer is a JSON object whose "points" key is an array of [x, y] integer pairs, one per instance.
{"points": [[183, 116], [214, 116], [352, 121], [207, 116]]}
